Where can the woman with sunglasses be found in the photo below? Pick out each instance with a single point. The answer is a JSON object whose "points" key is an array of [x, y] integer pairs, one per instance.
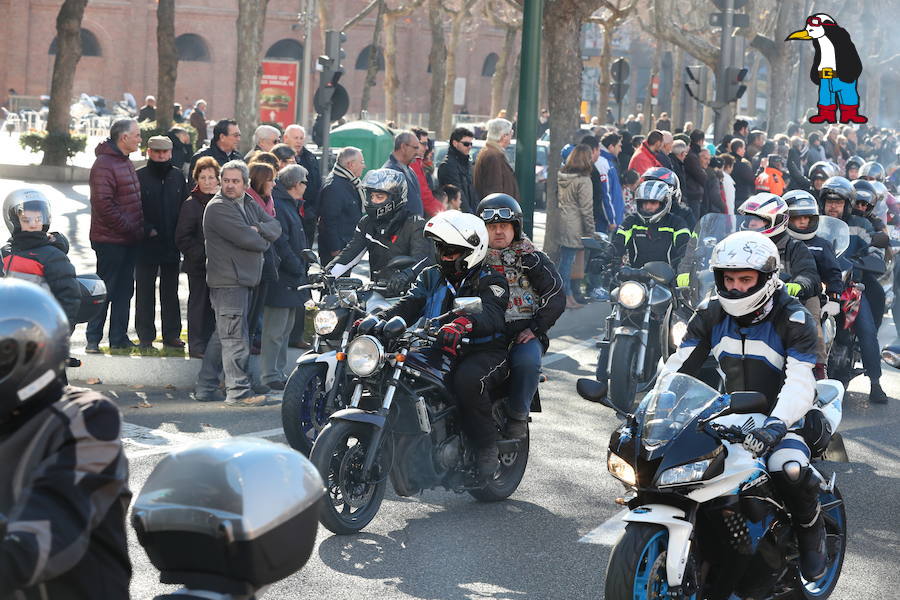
{"points": [[536, 301]]}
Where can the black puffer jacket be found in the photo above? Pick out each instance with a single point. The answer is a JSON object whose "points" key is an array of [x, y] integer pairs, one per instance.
{"points": [[457, 170], [798, 265], [163, 190], [283, 292], [401, 236], [33, 256]]}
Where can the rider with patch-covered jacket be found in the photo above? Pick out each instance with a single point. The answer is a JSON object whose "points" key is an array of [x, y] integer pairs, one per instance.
{"points": [[764, 341]]}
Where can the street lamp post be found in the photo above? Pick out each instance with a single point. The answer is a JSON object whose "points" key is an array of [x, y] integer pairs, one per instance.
{"points": [[526, 127], [305, 85]]}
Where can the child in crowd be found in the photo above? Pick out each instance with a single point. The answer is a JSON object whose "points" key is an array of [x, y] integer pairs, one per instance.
{"points": [[451, 197]]}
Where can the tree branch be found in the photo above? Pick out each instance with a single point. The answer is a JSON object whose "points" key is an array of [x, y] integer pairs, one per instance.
{"points": [[360, 15]]}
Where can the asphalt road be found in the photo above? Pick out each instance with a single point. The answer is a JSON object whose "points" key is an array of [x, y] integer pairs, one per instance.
{"points": [[443, 546], [440, 545]]}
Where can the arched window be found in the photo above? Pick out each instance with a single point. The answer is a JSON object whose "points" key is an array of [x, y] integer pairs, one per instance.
{"points": [[89, 45], [362, 61], [286, 49], [192, 47], [490, 65]]}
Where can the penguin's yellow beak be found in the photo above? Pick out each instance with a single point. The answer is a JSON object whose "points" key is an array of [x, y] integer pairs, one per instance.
{"points": [[799, 35]]}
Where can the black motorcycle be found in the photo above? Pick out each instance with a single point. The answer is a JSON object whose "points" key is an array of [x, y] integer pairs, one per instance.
{"points": [[403, 424], [704, 520], [320, 384]]}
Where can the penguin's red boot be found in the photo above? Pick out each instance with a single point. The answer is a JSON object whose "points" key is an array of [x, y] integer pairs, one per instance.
{"points": [[827, 114], [849, 114]]}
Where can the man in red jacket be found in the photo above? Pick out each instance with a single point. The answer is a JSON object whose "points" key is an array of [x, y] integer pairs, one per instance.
{"points": [[431, 205], [645, 157], [117, 226]]}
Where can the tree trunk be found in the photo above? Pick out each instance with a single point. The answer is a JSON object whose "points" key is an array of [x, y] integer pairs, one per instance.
{"points": [[501, 73], [251, 23], [654, 72], [605, 80], [372, 69], [562, 35], [677, 88], [391, 80], [168, 64], [68, 53], [450, 77], [437, 58], [513, 103]]}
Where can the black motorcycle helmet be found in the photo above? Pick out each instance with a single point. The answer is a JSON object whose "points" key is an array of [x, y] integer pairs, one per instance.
{"points": [[854, 162], [823, 170], [872, 170], [501, 208], [18, 202], [865, 193], [34, 343], [665, 175], [838, 187], [389, 182], [802, 204]]}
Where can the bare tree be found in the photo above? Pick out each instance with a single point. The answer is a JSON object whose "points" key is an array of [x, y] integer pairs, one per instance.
{"points": [[437, 58], [458, 15], [372, 66], [68, 53], [655, 67], [391, 80], [167, 57], [251, 23], [562, 34], [612, 14], [505, 15]]}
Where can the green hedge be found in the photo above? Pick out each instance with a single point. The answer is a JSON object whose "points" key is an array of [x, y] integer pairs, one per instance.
{"points": [[150, 128], [40, 141]]}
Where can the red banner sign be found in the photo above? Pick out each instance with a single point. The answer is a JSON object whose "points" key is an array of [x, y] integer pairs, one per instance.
{"points": [[278, 92]]}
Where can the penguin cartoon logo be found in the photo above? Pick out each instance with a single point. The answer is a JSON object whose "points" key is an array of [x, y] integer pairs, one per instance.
{"points": [[836, 68]]}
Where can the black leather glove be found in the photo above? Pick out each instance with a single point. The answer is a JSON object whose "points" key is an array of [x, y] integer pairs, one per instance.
{"points": [[763, 440], [399, 282], [450, 335]]}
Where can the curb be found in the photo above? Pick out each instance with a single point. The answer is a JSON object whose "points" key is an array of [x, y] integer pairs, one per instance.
{"points": [[67, 174], [149, 371]]}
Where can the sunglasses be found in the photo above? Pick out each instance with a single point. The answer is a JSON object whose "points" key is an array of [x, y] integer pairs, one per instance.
{"points": [[816, 22], [466, 144], [495, 214]]}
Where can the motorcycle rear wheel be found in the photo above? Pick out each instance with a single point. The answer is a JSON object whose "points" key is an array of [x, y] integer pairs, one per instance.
{"points": [[637, 565], [350, 502], [508, 477]]}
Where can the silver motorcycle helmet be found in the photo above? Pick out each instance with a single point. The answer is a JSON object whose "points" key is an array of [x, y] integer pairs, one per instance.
{"points": [[34, 343], [229, 516], [22, 201]]}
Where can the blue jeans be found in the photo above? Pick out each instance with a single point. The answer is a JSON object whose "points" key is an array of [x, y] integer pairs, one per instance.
{"points": [[524, 376], [566, 260], [867, 336], [834, 91]]}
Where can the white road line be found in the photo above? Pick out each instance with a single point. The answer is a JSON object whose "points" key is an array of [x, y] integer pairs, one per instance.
{"points": [[609, 532], [141, 442]]}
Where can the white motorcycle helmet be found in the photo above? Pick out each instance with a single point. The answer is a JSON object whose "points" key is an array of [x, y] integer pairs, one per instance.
{"points": [[742, 251], [768, 208], [457, 232]]}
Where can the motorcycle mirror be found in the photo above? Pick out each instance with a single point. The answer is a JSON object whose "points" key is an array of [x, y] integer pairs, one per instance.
{"points": [[467, 305], [748, 402], [310, 256], [395, 326], [368, 324]]}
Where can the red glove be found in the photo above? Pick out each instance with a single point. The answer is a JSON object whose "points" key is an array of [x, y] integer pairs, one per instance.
{"points": [[450, 335]]}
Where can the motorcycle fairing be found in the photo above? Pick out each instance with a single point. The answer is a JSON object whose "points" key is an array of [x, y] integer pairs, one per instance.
{"points": [[680, 530], [326, 358]]}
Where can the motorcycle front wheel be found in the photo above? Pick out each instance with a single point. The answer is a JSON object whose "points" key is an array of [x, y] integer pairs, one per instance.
{"points": [[351, 500], [304, 407], [835, 547], [622, 368], [637, 565]]}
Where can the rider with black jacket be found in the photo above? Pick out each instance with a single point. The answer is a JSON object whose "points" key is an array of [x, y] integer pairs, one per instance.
{"points": [[461, 243], [536, 301], [63, 473], [386, 231], [764, 341]]}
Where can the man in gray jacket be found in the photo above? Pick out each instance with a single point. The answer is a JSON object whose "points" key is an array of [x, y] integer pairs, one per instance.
{"points": [[237, 232]]}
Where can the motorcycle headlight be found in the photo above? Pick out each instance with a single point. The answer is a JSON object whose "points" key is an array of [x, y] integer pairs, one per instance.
{"points": [[620, 469], [631, 294], [679, 330], [325, 321], [365, 355], [685, 473]]}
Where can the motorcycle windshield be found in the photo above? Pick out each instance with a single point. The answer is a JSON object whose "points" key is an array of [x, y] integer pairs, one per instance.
{"points": [[709, 231], [834, 231], [675, 401]]}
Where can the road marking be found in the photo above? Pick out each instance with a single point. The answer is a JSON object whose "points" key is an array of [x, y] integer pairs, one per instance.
{"points": [[552, 357], [609, 532]]}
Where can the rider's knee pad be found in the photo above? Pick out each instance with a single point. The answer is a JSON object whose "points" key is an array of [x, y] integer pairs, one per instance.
{"points": [[816, 432], [792, 448]]}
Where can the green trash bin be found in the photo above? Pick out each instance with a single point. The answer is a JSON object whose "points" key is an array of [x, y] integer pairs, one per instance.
{"points": [[374, 139]]}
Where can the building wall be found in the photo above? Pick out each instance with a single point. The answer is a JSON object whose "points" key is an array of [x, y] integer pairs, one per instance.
{"points": [[126, 32]]}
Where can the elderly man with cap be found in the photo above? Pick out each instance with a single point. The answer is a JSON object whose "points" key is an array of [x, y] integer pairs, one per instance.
{"points": [[163, 189]]}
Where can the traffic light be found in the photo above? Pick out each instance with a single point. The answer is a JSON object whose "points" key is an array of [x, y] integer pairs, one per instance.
{"points": [[332, 61], [735, 88]]}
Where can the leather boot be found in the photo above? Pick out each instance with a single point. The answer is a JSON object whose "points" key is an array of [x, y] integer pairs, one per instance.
{"points": [[827, 114], [849, 114], [799, 488], [488, 462]]}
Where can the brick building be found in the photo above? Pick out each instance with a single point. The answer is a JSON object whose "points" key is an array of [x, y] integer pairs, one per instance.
{"points": [[119, 55]]}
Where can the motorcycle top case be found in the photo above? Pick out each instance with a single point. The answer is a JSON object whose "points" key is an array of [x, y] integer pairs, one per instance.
{"points": [[93, 297], [242, 509]]}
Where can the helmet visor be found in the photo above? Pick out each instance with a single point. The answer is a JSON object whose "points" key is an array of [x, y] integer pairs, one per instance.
{"points": [[30, 215], [495, 215]]}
